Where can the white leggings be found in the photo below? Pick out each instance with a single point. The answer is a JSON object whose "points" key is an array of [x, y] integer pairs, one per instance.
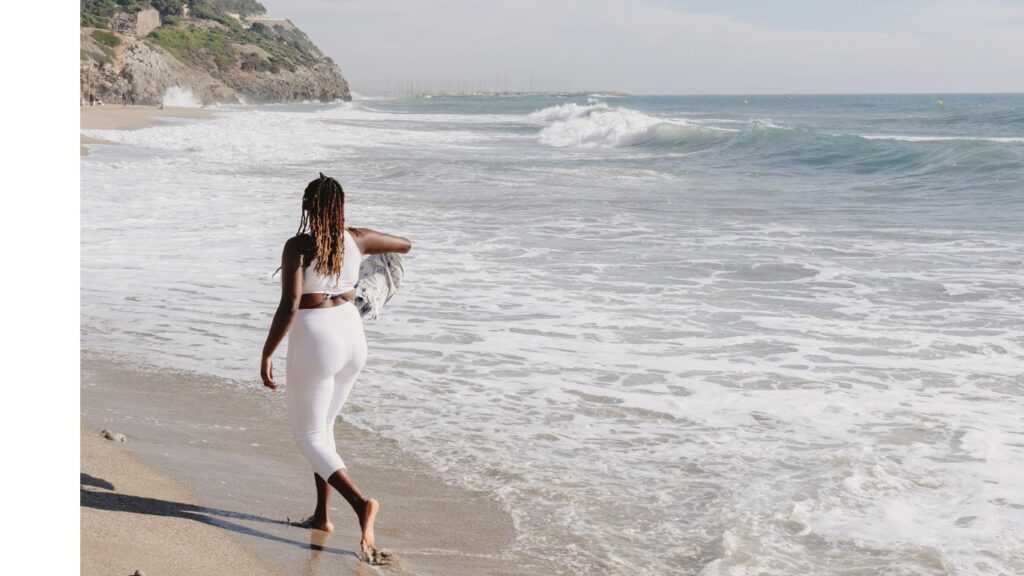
{"points": [[326, 352]]}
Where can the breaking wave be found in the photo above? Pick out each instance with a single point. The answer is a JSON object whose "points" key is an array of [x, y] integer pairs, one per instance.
{"points": [[598, 125]]}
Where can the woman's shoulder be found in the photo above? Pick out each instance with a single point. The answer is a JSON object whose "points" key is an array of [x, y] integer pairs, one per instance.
{"points": [[298, 242], [299, 245]]}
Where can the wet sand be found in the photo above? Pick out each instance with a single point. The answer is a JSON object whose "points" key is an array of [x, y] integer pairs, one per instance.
{"points": [[118, 117], [230, 445], [133, 518]]}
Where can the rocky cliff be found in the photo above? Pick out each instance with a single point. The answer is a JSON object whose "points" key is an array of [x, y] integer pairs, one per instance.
{"points": [[133, 51]]}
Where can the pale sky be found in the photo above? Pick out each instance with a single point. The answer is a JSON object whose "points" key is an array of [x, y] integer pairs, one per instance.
{"points": [[670, 46]]}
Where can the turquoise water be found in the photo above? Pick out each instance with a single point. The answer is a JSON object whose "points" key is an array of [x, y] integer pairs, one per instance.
{"points": [[671, 335]]}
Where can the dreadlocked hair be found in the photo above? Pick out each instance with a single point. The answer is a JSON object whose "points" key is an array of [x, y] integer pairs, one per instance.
{"points": [[323, 218]]}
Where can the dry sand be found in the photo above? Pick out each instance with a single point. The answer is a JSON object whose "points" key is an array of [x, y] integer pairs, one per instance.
{"points": [[133, 518], [112, 117], [117, 117]]}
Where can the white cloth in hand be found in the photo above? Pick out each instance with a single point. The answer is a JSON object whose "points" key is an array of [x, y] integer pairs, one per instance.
{"points": [[379, 278]]}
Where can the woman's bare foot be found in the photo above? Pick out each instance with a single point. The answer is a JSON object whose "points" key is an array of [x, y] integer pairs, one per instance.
{"points": [[367, 544], [315, 523]]}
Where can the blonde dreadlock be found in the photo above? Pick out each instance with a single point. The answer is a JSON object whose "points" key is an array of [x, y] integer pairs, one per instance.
{"points": [[323, 218]]}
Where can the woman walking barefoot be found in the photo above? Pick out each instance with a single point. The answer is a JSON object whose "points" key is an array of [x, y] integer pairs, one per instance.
{"points": [[326, 343]]}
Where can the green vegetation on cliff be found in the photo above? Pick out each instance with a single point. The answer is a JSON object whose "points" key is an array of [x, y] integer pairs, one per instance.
{"points": [[97, 13], [216, 46], [241, 7], [223, 50], [106, 38], [203, 46], [287, 47]]}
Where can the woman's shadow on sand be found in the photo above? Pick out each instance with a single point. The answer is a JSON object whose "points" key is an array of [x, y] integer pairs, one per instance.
{"points": [[108, 499]]}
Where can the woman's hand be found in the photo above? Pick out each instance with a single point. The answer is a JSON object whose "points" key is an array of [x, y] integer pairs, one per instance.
{"points": [[267, 372]]}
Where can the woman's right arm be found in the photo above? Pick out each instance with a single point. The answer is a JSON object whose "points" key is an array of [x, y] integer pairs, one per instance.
{"points": [[291, 293], [373, 242]]}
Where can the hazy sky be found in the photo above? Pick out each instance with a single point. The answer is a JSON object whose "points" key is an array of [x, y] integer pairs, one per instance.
{"points": [[671, 46]]}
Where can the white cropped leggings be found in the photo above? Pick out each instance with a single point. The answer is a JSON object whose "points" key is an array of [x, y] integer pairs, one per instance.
{"points": [[326, 352]]}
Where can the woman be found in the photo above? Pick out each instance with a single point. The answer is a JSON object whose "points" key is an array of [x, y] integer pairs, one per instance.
{"points": [[326, 346]]}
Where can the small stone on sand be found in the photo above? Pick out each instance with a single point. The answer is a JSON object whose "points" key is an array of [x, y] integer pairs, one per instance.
{"points": [[114, 436]]}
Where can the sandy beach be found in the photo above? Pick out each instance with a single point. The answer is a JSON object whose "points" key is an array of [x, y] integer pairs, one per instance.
{"points": [[134, 518], [119, 117], [246, 479]]}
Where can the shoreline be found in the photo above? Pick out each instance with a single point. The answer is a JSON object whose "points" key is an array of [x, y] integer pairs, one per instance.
{"points": [[124, 117], [232, 449]]}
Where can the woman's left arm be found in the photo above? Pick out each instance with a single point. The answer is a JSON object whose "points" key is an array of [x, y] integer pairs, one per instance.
{"points": [[374, 242], [291, 293]]}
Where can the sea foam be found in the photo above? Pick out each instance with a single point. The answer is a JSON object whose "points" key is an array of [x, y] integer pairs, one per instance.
{"points": [[812, 364], [179, 97]]}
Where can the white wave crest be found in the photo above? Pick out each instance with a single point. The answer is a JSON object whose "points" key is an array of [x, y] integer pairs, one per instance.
{"points": [[179, 97], [565, 111], [598, 125]]}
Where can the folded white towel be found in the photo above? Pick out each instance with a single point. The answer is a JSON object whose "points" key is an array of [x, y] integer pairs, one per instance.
{"points": [[379, 278]]}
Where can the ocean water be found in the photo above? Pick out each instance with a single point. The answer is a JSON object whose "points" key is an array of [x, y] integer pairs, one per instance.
{"points": [[672, 335]]}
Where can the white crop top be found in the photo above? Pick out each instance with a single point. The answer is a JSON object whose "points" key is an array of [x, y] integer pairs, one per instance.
{"points": [[314, 282]]}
